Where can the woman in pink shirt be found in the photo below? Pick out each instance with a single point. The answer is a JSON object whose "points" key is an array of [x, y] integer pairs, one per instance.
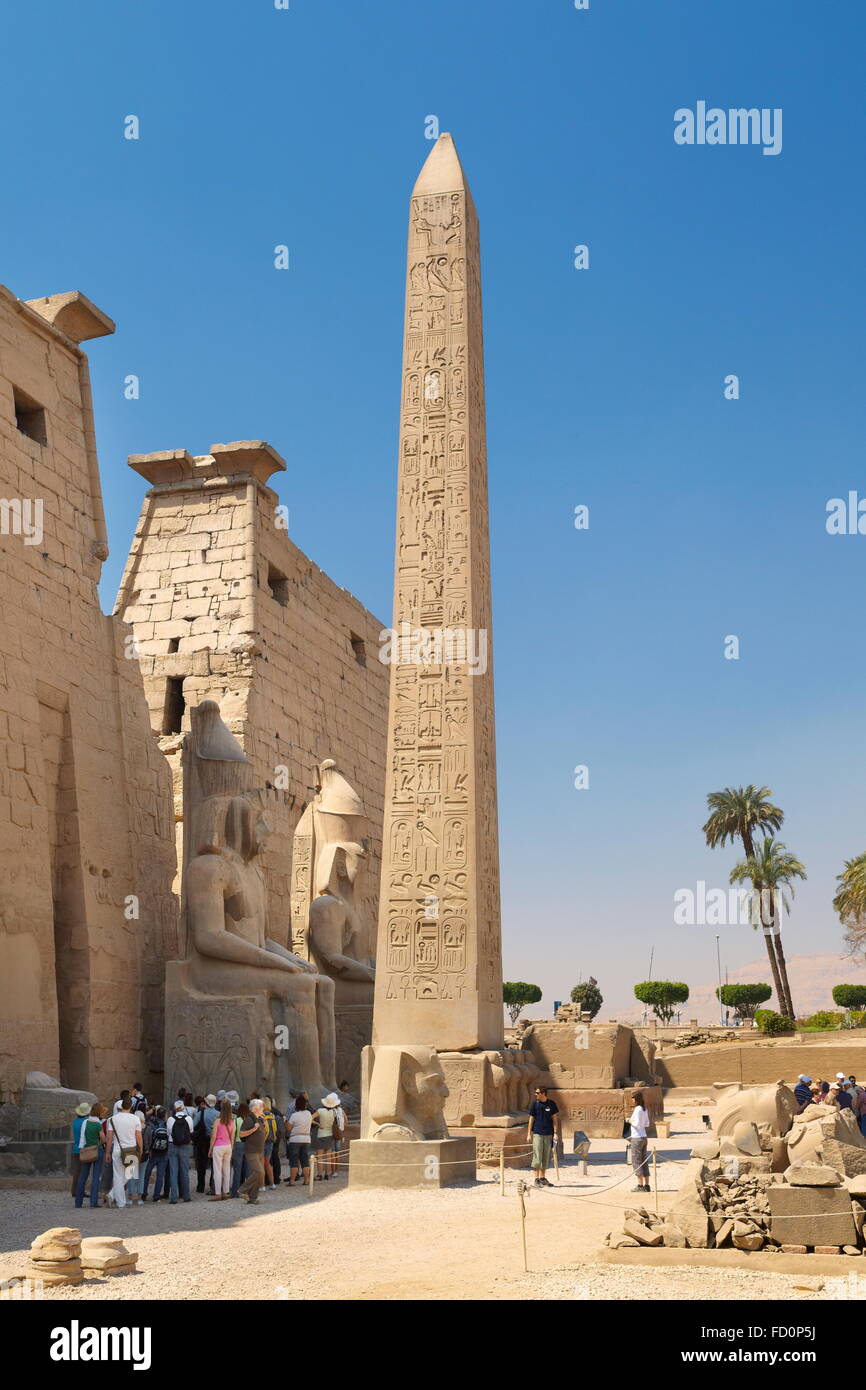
{"points": [[222, 1138]]}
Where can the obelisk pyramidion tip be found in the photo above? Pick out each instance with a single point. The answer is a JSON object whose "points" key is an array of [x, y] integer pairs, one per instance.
{"points": [[442, 171]]}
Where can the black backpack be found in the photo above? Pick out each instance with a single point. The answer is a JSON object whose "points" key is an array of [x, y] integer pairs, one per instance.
{"points": [[180, 1130], [159, 1138]]}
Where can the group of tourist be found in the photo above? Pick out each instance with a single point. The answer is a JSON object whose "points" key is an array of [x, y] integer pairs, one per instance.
{"points": [[234, 1146], [844, 1093]]}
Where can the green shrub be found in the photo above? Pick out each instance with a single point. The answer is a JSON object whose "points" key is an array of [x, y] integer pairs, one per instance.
{"points": [[772, 1023], [821, 1021]]}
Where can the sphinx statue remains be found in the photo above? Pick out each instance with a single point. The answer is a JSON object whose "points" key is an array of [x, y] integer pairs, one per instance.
{"points": [[404, 1135], [242, 1010], [329, 864]]}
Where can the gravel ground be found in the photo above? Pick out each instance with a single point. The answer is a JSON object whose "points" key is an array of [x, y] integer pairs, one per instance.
{"points": [[454, 1244]]}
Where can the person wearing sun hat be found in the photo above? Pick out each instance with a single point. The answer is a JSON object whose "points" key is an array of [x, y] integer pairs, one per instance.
{"points": [[81, 1113], [803, 1092], [326, 1117]]}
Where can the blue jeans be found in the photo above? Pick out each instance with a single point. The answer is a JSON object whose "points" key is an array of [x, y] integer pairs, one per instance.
{"points": [[863, 1125], [94, 1170], [238, 1166], [178, 1167], [157, 1163]]}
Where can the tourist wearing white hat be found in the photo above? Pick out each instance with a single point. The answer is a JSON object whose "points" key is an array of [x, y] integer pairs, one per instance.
{"points": [[81, 1113], [326, 1118]]}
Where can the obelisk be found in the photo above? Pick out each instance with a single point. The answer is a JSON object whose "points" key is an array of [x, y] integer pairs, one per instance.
{"points": [[439, 960]]}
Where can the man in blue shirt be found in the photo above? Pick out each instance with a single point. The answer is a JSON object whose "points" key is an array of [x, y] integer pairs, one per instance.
{"points": [[543, 1128], [802, 1093]]}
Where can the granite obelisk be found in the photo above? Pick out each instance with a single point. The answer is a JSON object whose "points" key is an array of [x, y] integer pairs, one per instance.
{"points": [[439, 971]]}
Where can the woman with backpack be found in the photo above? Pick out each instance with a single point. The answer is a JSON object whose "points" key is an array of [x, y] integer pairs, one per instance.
{"points": [[222, 1139], [158, 1158]]}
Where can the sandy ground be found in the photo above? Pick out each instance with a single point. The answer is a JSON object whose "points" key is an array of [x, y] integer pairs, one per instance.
{"points": [[458, 1243]]}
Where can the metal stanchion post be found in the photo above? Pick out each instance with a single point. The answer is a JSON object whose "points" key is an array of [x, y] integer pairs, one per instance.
{"points": [[502, 1171], [556, 1158], [312, 1174]]}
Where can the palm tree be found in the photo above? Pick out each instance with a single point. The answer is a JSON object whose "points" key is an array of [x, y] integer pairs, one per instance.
{"points": [[850, 901], [741, 812], [771, 872]]}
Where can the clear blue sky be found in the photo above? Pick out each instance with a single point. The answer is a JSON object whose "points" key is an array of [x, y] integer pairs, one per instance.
{"points": [[605, 386]]}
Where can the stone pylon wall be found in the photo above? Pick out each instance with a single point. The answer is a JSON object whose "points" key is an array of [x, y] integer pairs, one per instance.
{"points": [[224, 603], [86, 853]]}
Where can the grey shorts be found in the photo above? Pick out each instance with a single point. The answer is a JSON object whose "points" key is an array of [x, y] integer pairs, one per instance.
{"points": [[299, 1155], [639, 1162]]}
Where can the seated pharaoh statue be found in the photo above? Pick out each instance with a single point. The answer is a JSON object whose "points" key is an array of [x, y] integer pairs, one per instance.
{"points": [[240, 1002], [329, 864], [332, 925]]}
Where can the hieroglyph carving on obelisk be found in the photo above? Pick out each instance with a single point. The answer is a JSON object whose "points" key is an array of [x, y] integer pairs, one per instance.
{"points": [[439, 972]]}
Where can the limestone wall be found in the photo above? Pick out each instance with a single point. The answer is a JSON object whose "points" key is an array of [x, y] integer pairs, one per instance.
{"points": [[85, 797], [226, 607], [762, 1064]]}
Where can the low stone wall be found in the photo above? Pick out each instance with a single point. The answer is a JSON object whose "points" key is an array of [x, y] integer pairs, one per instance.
{"points": [[762, 1064], [600, 1114]]}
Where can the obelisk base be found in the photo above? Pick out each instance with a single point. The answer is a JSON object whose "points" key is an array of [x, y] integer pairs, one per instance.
{"points": [[414, 1163]]}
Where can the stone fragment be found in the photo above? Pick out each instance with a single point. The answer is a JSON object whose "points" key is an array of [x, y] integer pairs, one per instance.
{"points": [[636, 1230], [847, 1158], [690, 1215], [58, 1243], [107, 1255], [850, 1250], [724, 1233], [857, 1185], [827, 1250], [72, 1275], [623, 1243], [64, 1266], [811, 1215], [673, 1236], [793, 1249], [753, 1240], [779, 1156], [746, 1137], [812, 1175], [706, 1148]]}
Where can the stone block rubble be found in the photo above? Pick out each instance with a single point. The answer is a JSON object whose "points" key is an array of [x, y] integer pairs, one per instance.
{"points": [[753, 1188], [60, 1257]]}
